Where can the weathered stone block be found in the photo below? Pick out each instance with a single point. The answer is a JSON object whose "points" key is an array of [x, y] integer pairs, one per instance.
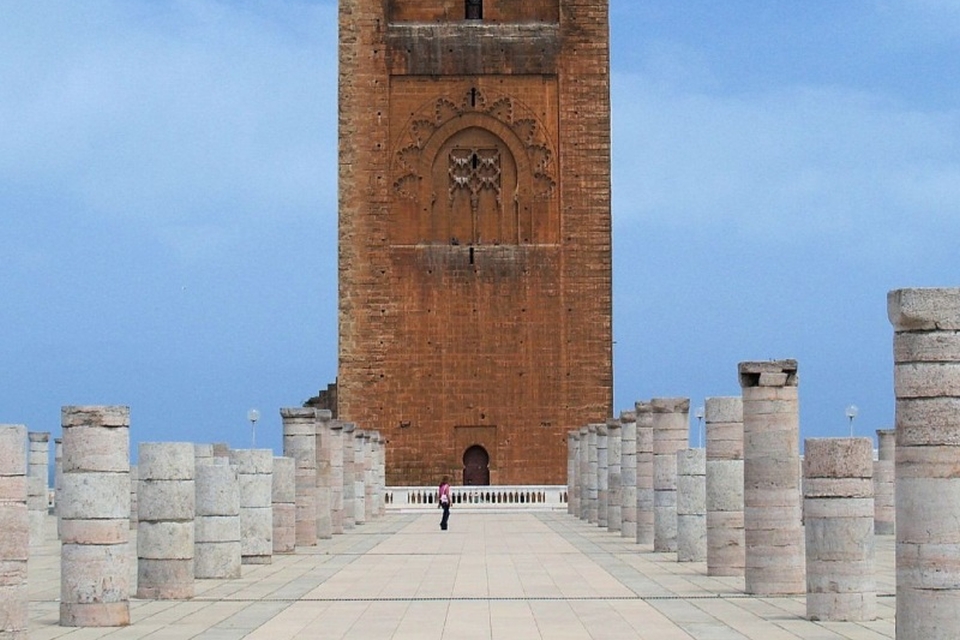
{"points": [[924, 309]]}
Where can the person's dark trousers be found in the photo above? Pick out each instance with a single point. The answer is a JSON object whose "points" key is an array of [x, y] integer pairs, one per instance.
{"points": [[446, 516]]}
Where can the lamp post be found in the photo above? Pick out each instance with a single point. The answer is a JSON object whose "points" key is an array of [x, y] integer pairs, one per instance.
{"points": [[699, 414], [253, 415], [852, 412]]}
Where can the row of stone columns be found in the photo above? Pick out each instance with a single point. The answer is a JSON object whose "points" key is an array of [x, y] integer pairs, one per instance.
{"points": [[201, 511], [737, 505]]}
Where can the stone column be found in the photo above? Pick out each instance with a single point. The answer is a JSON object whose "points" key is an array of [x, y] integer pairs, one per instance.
{"points": [[349, 486], [583, 475], [926, 356], [593, 486], [359, 481], [334, 438], [324, 474], [381, 474], [166, 503], [368, 480], [614, 477], [644, 472], [255, 469], [671, 433], [724, 426], [38, 470], [284, 499], [300, 443], [134, 505], [571, 471], [603, 475], [202, 454], [884, 501], [773, 533], [371, 473], [58, 479], [95, 513], [691, 505], [217, 526], [15, 532], [838, 508], [628, 474]]}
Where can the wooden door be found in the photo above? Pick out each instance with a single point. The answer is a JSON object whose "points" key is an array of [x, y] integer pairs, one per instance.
{"points": [[476, 466]]}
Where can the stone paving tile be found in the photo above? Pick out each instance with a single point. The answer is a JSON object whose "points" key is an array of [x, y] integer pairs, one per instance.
{"points": [[511, 576]]}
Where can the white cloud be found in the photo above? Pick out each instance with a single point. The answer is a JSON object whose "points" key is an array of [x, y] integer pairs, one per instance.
{"points": [[788, 163], [195, 110]]}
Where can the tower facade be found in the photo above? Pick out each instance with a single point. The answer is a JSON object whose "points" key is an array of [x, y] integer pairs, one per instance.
{"points": [[475, 258]]}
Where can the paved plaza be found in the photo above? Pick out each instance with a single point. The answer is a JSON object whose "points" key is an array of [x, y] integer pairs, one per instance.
{"points": [[492, 575]]}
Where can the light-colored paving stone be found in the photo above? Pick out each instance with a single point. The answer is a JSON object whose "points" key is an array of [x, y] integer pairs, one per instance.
{"points": [[491, 576]]}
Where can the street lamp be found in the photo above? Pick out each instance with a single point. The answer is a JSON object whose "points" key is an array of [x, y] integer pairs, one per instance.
{"points": [[253, 415], [699, 414], [852, 412]]}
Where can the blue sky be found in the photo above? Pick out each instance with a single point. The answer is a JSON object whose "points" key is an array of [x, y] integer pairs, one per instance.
{"points": [[168, 193]]}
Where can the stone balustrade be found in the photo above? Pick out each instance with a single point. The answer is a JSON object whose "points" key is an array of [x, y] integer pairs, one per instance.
{"points": [[486, 498]]}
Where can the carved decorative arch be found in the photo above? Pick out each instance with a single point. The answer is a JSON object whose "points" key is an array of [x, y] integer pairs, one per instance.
{"points": [[481, 144]]}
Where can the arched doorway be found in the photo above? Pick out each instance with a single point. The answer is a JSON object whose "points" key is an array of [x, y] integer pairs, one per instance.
{"points": [[476, 469]]}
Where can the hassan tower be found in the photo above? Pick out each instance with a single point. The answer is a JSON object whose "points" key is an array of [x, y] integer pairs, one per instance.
{"points": [[474, 233]]}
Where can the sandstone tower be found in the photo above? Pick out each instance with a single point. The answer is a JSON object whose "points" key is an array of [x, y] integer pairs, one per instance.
{"points": [[475, 261]]}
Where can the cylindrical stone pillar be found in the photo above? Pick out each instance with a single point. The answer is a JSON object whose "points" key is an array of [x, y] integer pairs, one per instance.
{"points": [[349, 482], [15, 533], [255, 468], [583, 462], [691, 505], [381, 462], [603, 475], [671, 433], [325, 447], [166, 503], [202, 454], [838, 508], [571, 471], [773, 534], [57, 478], [593, 481], [36, 507], [628, 475], [334, 448], [284, 500], [884, 501], [94, 517], [644, 472], [372, 487], [887, 444], [368, 480], [134, 507], [38, 469], [614, 478], [359, 481], [217, 528], [926, 356], [723, 417], [300, 443]]}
